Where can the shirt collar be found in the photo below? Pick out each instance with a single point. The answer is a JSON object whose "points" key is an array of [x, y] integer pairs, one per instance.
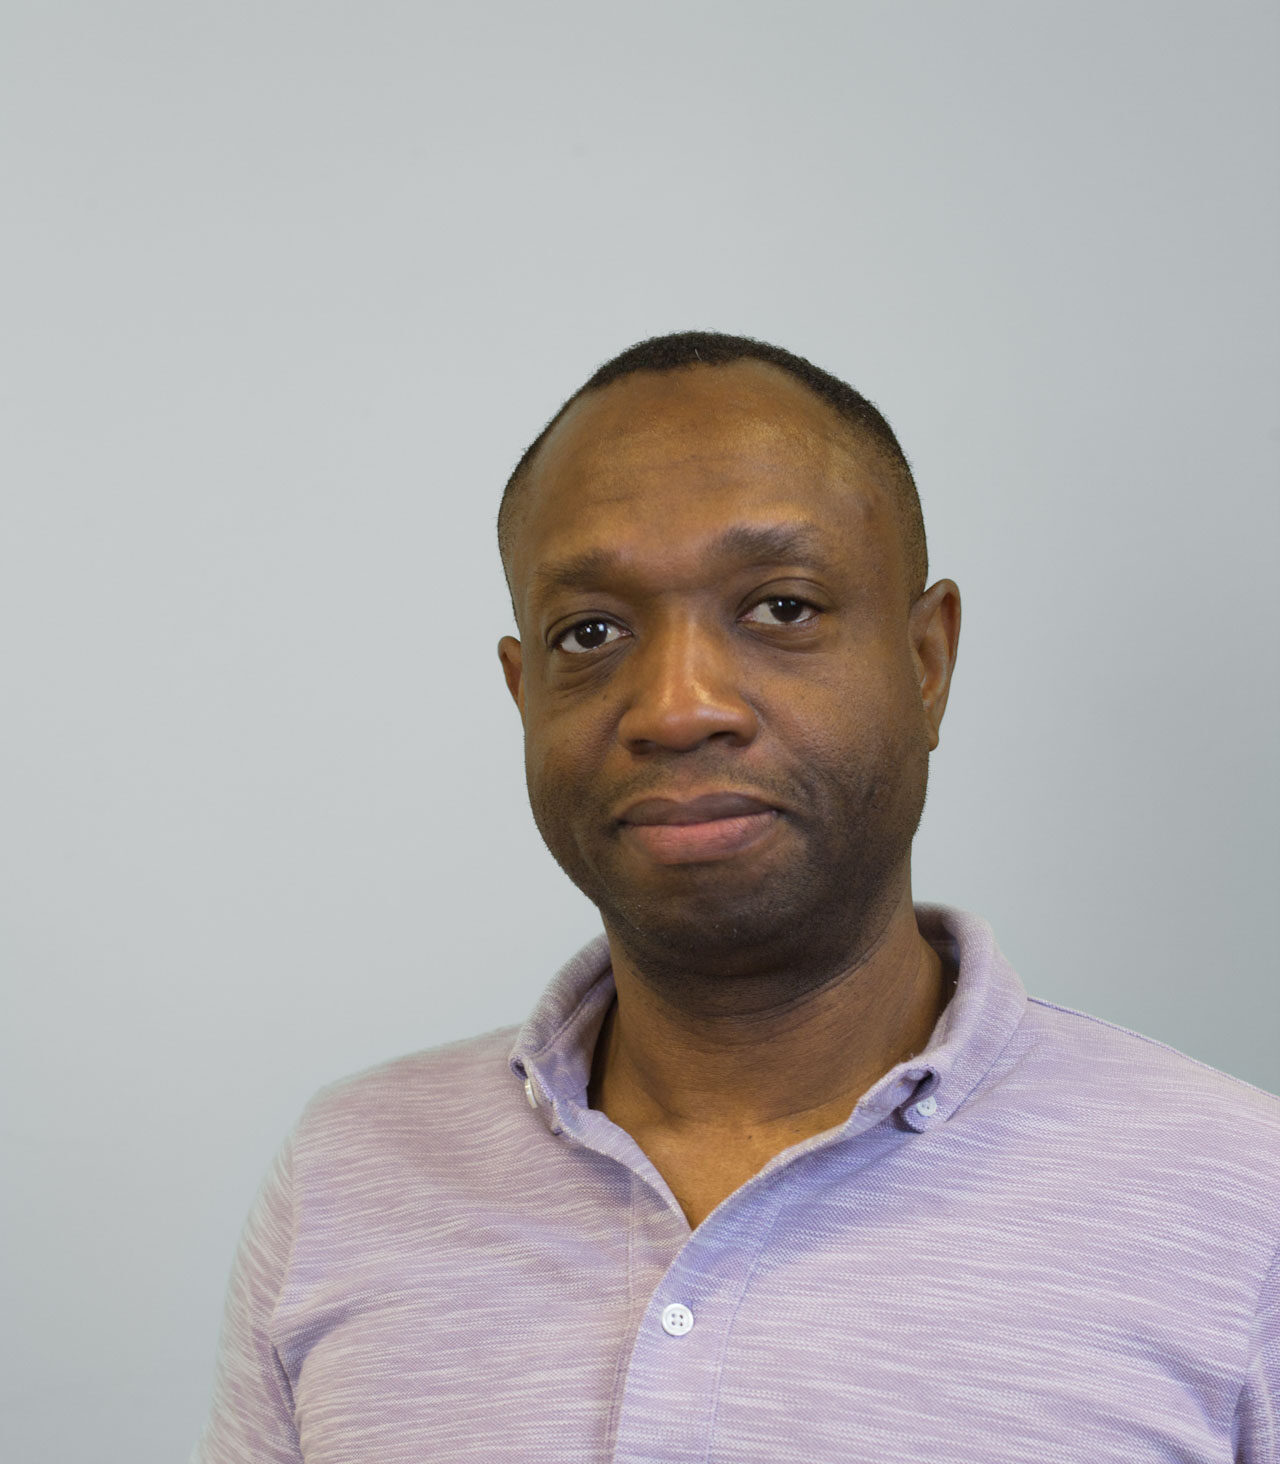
{"points": [[553, 1052], [985, 1010]]}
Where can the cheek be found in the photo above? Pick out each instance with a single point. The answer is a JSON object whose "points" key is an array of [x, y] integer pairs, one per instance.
{"points": [[860, 730], [562, 755], [853, 702], [896, 688]]}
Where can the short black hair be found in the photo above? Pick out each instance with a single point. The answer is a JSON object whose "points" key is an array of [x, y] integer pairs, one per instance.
{"points": [[711, 348]]}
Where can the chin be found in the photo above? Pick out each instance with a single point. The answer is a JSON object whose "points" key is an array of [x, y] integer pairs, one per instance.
{"points": [[780, 908], [740, 937]]}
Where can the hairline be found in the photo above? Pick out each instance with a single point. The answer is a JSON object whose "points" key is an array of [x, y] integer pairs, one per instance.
{"points": [[890, 467]]}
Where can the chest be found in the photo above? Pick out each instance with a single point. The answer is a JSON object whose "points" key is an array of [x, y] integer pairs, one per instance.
{"points": [[858, 1324]]}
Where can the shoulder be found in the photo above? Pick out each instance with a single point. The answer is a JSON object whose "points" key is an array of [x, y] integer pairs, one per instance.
{"points": [[1142, 1067], [436, 1099], [1124, 1147], [1133, 1094]]}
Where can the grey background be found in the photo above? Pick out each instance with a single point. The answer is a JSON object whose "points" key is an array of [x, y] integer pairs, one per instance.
{"points": [[286, 288]]}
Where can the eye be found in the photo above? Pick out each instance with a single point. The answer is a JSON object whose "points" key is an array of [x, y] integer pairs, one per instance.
{"points": [[780, 610], [587, 635]]}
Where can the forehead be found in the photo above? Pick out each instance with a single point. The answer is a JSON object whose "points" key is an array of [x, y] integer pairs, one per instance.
{"points": [[702, 411], [681, 456]]}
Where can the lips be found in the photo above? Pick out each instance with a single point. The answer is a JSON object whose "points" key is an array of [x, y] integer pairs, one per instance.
{"points": [[703, 809], [697, 830]]}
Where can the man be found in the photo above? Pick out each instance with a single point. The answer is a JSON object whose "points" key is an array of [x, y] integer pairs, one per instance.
{"points": [[802, 1174]]}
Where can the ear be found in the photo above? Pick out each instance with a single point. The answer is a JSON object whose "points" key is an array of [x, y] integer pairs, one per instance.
{"points": [[511, 655], [934, 628]]}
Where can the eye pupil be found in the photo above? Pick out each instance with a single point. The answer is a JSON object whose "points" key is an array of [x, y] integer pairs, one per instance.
{"points": [[785, 608], [591, 633]]}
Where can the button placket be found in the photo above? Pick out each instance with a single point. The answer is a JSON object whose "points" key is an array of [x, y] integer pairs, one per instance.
{"points": [[672, 1382]]}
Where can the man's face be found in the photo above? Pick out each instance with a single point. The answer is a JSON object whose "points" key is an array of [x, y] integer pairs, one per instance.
{"points": [[728, 700]]}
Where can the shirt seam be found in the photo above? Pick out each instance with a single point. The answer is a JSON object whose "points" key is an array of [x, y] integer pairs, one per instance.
{"points": [[1207, 1067], [624, 1351], [737, 1307], [1254, 1363], [282, 1378]]}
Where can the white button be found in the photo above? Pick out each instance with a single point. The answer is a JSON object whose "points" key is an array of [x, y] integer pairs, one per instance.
{"points": [[530, 1093], [676, 1319], [927, 1107]]}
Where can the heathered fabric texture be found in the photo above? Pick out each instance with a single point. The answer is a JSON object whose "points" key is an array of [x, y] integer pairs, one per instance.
{"points": [[1069, 1254]]}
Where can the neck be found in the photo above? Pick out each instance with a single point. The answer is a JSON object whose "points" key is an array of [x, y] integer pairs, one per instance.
{"points": [[769, 1055]]}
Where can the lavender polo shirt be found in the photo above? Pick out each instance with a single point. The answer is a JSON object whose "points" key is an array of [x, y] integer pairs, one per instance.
{"points": [[1043, 1239]]}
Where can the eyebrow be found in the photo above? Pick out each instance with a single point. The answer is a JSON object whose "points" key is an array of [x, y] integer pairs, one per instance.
{"points": [[748, 544]]}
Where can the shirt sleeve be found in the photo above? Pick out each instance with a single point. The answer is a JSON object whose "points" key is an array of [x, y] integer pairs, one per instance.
{"points": [[1257, 1428], [251, 1420]]}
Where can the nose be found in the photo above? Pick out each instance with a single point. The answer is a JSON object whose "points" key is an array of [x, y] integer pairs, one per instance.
{"points": [[684, 688]]}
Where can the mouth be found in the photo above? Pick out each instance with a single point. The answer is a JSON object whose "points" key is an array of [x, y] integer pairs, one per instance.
{"points": [[697, 830]]}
